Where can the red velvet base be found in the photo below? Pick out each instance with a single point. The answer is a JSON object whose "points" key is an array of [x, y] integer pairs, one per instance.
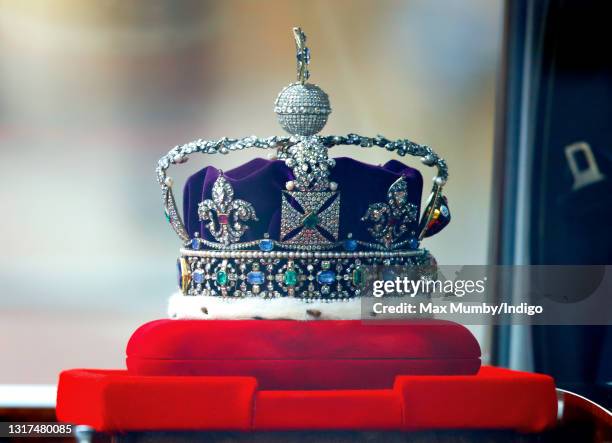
{"points": [[115, 400], [281, 354], [492, 399]]}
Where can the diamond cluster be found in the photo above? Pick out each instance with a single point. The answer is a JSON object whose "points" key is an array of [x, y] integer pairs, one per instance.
{"points": [[310, 164], [318, 211], [391, 220], [225, 215]]}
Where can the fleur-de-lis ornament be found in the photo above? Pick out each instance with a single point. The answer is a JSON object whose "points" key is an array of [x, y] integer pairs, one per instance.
{"points": [[226, 217], [389, 221]]}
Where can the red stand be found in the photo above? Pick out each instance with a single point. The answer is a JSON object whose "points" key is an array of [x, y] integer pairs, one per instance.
{"points": [[493, 399], [286, 375]]}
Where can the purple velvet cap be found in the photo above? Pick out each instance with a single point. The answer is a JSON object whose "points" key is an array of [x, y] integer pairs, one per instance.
{"points": [[261, 182]]}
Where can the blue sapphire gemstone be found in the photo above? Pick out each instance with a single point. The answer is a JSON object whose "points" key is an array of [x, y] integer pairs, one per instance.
{"points": [[196, 243], [388, 275], [413, 243], [255, 278], [303, 56], [179, 273], [444, 211], [266, 244], [350, 244], [198, 276], [326, 277]]}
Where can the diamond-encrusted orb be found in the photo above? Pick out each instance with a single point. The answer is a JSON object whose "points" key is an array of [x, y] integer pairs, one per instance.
{"points": [[302, 109]]}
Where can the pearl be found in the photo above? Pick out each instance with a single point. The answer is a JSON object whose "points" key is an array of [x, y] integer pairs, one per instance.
{"points": [[333, 186], [428, 160], [440, 181], [290, 185], [272, 155], [169, 182]]}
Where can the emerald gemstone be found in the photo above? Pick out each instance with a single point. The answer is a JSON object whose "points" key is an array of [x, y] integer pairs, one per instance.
{"points": [[222, 278], [311, 220], [358, 277], [290, 277]]}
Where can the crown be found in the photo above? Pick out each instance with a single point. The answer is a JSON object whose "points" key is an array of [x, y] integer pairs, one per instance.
{"points": [[297, 235]]}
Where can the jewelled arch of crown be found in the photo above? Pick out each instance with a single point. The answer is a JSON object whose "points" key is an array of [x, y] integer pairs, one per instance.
{"points": [[309, 260]]}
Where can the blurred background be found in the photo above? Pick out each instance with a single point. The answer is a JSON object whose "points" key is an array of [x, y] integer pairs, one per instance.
{"points": [[93, 93]]}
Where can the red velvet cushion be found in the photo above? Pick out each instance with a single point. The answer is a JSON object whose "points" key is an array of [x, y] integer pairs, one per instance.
{"points": [[335, 409], [492, 399], [343, 354], [115, 400]]}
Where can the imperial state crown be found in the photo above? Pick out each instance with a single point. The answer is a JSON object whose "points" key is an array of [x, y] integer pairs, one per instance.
{"points": [[301, 232]]}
